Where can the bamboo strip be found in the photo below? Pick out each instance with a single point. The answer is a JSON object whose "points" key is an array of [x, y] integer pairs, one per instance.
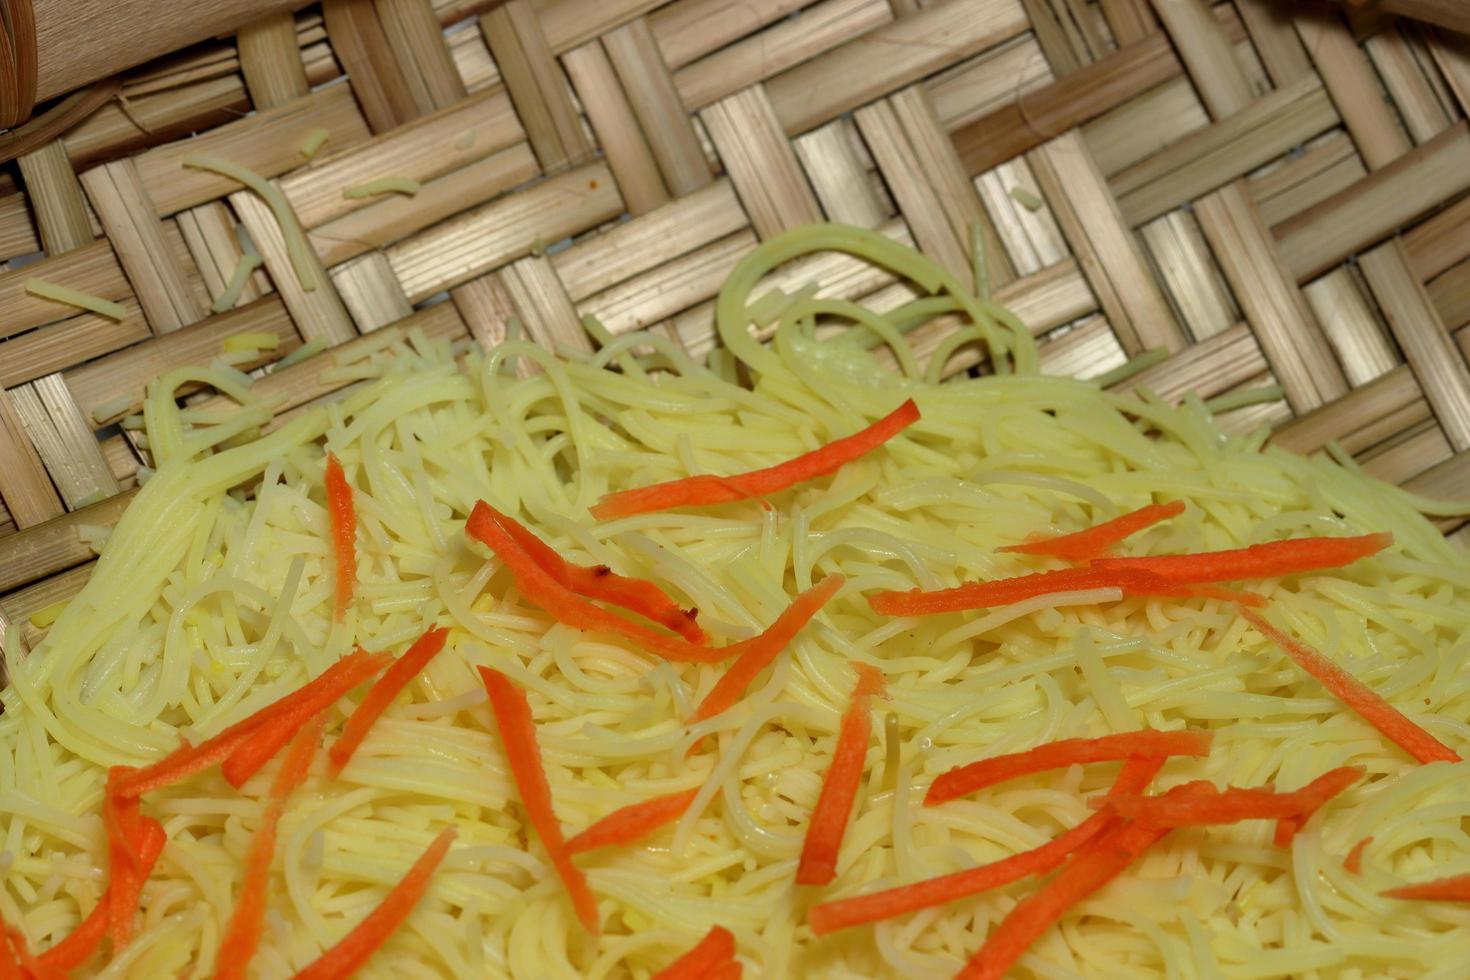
{"points": [[1364, 417], [129, 216], [890, 57], [318, 312], [624, 146], [268, 143], [147, 120], [650, 90], [395, 217], [1281, 51], [1354, 88], [1052, 37], [1029, 236], [64, 440], [209, 233], [535, 84], [690, 29], [1407, 454], [483, 238], [1450, 294], [376, 77], [59, 345], [632, 248], [45, 549], [571, 23], [91, 269], [486, 308], [56, 196], [472, 60], [1207, 55], [1188, 272], [1208, 368], [24, 485], [1294, 347], [1109, 257], [1440, 241], [1372, 208], [1130, 20], [1347, 319], [17, 235], [1451, 52], [1444, 481], [839, 175], [270, 60], [25, 603], [669, 288], [372, 296], [1224, 151], [1413, 96], [1145, 125], [550, 318], [417, 42], [1446, 13], [1330, 164], [1006, 73], [116, 382], [426, 148], [760, 162], [1084, 351], [1440, 368], [821, 27]]}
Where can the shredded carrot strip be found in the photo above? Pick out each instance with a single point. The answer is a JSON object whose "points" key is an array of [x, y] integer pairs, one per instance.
{"points": [[845, 913], [1199, 804], [358, 946], [703, 490], [123, 822], [818, 865], [381, 695], [602, 583], [1353, 863], [1066, 752], [286, 716], [10, 956], [1099, 862], [732, 970], [1368, 703], [188, 759], [632, 823], [1095, 541], [247, 922], [1452, 889], [518, 735], [1257, 561], [714, 950], [343, 516], [756, 654], [126, 886], [1005, 591], [78, 947], [541, 588]]}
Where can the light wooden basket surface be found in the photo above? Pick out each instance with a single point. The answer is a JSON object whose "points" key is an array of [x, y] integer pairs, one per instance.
{"points": [[1269, 193]]}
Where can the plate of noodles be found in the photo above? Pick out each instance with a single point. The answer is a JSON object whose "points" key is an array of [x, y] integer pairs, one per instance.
{"points": [[788, 662]]}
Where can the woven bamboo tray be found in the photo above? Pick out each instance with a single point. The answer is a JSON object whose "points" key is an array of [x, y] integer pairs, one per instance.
{"points": [[1257, 194]]}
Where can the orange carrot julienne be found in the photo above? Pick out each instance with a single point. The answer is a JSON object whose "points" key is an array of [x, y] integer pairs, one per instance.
{"points": [[730, 970], [632, 823], [126, 886], [602, 583], [1099, 862], [1067, 752], [818, 865], [123, 822], [286, 717], [1368, 703], [1005, 591], [845, 913], [1096, 540], [1453, 889], [247, 922], [188, 759], [10, 959], [703, 490], [381, 695], [716, 948], [541, 588], [1353, 863], [1257, 561], [1188, 806], [343, 517], [518, 734], [368, 936], [755, 654]]}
